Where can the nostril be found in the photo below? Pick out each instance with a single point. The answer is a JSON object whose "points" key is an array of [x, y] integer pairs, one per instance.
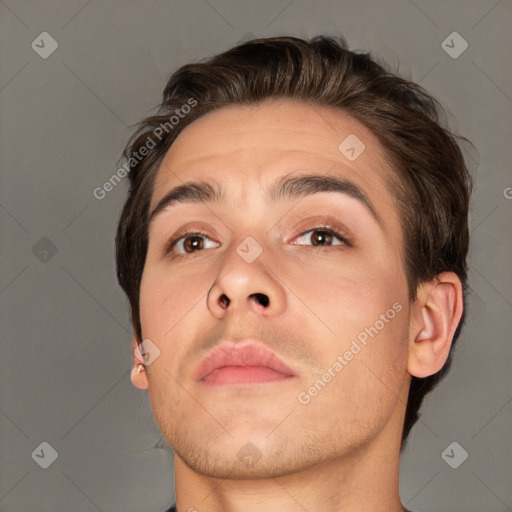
{"points": [[224, 301], [261, 298]]}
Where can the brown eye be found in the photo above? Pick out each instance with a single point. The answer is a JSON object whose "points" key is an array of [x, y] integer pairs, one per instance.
{"points": [[189, 243], [322, 237], [193, 243]]}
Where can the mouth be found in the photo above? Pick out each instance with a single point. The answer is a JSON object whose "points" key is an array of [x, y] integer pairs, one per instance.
{"points": [[243, 363]]}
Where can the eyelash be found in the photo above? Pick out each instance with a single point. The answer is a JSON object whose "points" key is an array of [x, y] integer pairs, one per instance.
{"points": [[342, 237], [331, 230]]}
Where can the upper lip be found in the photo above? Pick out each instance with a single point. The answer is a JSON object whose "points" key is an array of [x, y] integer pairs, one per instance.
{"points": [[242, 353]]}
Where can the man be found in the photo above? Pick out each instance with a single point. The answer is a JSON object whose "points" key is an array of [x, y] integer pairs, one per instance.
{"points": [[294, 251]]}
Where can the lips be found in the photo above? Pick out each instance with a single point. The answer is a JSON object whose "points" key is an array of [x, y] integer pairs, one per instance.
{"points": [[244, 362]]}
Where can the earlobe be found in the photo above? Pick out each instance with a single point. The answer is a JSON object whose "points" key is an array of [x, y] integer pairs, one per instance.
{"points": [[138, 376], [435, 316]]}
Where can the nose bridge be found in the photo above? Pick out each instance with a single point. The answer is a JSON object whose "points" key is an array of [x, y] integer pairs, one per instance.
{"points": [[245, 282]]}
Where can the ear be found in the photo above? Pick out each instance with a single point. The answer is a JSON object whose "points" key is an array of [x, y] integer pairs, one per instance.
{"points": [[139, 380], [435, 315]]}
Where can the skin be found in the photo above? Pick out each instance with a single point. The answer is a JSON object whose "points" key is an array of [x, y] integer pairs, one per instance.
{"points": [[340, 451]]}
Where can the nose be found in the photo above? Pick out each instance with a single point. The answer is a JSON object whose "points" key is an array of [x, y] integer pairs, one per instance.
{"points": [[246, 287]]}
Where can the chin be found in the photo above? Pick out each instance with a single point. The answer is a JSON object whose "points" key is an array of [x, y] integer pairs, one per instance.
{"points": [[248, 462], [254, 453]]}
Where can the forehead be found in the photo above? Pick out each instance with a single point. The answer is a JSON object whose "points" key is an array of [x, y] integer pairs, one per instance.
{"points": [[247, 147]]}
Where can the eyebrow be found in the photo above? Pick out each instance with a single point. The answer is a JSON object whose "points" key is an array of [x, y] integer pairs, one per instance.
{"points": [[294, 187]]}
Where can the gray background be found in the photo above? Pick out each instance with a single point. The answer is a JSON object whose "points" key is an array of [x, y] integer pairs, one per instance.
{"points": [[66, 353]]}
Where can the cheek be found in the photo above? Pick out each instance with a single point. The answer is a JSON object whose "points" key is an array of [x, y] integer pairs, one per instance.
{"points": [[167, 297], [352, 294], [169, 318], [366, 309], [367, 380]]}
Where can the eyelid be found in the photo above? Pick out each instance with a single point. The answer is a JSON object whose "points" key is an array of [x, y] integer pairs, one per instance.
{"points": [[337, 232], [169, 245], [324, 222]]}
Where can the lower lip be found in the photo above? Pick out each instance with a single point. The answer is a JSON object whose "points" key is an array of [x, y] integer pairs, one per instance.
{"points": [[239, 375]]}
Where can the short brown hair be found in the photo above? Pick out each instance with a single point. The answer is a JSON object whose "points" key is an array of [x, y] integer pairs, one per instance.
{"points": [[432, 185]]}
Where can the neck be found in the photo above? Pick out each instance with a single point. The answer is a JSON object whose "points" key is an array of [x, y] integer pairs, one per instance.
{"points": [[367, 479]]}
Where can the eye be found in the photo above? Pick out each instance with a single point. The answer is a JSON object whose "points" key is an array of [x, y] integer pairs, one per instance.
{"points": [[187, 243], [324, 236]]}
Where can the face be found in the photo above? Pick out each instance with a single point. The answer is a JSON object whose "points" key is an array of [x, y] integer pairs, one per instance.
{"points": [[316, 278]]}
